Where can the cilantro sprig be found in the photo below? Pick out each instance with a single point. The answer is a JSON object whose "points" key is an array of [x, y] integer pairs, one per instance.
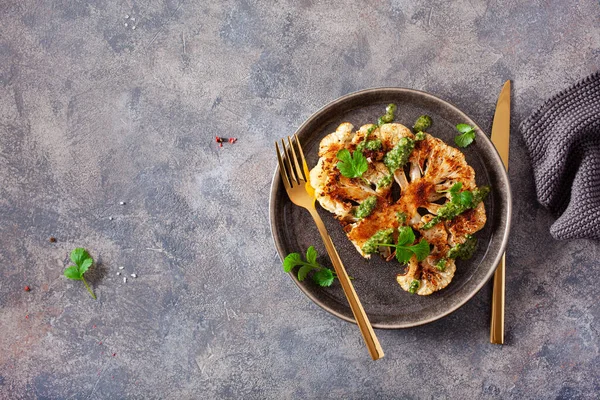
{"points": [[352, 166], [405, 248], [83, 261], [322, 276], [466, 137]]}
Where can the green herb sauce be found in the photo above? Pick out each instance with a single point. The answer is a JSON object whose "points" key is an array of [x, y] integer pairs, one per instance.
{"points": [[465, 250], [383, 236], [366, 207]]}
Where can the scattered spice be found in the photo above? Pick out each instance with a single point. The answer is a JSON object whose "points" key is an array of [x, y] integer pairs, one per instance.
{"points": [[99, 342], [221, 140], [27, 288], [27, 316], [52, 239], [114, 354]]}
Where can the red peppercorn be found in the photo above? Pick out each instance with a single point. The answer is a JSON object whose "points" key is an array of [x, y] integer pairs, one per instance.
{"points": [[27, 288], [232, 140]]}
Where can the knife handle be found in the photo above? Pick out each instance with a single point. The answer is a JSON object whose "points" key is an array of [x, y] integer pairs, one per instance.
{"points": [[497, 324]]}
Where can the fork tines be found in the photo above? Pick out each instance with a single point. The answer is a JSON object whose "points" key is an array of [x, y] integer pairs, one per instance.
{"points": [[289, 166]]}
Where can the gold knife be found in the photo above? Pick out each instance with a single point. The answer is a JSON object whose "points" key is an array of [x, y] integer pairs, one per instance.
{"points": [[501, 139]]}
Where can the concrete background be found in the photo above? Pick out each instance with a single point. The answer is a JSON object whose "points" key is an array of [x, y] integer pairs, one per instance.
{"points": [[93, 112]]}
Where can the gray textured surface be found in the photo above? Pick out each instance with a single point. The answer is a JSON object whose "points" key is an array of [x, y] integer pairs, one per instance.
{"points": [[93, 113]]}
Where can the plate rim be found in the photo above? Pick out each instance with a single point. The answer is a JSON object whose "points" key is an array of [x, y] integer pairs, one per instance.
{"points": [[276, 182]]}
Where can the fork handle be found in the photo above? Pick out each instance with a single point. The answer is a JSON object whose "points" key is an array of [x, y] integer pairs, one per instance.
{"points": [[360, 316]]}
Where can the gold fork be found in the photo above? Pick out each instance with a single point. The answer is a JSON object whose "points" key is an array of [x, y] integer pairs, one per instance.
{"points": [[301, 193]]}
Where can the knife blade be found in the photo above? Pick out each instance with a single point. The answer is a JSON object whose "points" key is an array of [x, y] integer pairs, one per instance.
{"points": [[501, 140]]}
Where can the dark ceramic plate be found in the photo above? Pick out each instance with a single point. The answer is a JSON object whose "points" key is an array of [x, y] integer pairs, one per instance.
{"points": [[386, 304]]}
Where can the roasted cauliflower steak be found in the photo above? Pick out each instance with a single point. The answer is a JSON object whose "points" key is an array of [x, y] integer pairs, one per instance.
{"points": [[424, 181]]}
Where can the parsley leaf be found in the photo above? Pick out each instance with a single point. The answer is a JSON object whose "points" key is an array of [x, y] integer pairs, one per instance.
{"points": [[421, 249], [303, 272], [352, 166], [311, 255], [323, 276], [403, 255], [455, 189], [466, 137], [79, 255], [405, 235], [465, 198], [83, 261], [464, 128], [85, 265], [292, 260], [73, 273]]}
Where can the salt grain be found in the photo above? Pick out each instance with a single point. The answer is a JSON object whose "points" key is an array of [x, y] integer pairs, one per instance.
{"points": [[123, 203], [126, 16], [132, 18], [110, 218], [121, 267], [124, 279], [133, 27], [118, 273], [133, 275], [125, 25]]}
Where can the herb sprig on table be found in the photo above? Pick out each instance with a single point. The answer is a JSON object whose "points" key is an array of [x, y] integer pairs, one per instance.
{"points": [[322, 276], [83, 261]]}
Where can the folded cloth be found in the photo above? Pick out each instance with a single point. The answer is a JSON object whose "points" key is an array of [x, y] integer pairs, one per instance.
{"points": [[563, 140]]}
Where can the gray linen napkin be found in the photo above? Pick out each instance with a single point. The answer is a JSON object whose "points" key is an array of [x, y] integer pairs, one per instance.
{"points": [[563, 140]]}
